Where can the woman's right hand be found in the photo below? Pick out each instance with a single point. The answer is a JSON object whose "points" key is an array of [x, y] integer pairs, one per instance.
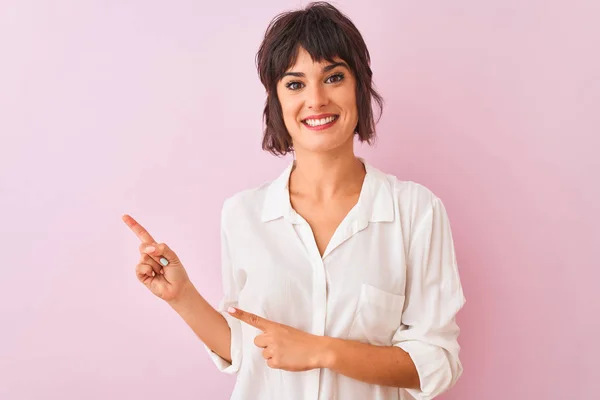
{"points": [[166, 281]]}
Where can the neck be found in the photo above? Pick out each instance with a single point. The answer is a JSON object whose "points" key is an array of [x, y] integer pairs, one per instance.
{"points": [[323, 176]]}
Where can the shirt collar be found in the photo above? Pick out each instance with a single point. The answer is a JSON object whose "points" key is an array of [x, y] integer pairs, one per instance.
{"points": [[375, 204]]}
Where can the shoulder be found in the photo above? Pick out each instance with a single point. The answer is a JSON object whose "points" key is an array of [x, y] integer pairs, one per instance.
{"points": [[408, 192], [413, 200], [245, 201], [249, 204]]}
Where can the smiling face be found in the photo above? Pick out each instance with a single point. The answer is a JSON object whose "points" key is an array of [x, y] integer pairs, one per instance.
{"points": [[318, 101]]}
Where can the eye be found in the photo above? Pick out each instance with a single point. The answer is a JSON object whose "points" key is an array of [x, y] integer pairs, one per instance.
{"points": [[290, 85], [336, 78], [338, 75]]}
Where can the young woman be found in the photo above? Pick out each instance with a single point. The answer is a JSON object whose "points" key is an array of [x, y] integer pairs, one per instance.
{"points": [[340, 281]]}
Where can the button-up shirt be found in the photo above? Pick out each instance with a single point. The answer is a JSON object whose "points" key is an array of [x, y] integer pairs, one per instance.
{"points": [[388, 277]]}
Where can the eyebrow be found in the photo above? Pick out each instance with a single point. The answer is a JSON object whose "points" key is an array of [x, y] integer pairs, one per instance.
{"points": [[327, 68]]}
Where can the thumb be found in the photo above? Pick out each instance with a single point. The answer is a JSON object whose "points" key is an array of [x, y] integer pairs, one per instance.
{"points": [[162, 254]]}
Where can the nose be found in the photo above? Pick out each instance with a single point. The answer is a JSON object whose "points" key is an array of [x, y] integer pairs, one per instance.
{"points": [[316, 97]]}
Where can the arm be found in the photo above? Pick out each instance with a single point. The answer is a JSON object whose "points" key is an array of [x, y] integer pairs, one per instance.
{"points": [[178, 291], [206, 322], [226, 348], [379, 365], [434, 295], [290, 349], [219, 332]]}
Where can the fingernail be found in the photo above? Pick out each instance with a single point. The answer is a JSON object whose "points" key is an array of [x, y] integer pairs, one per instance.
{"points": [[162, 271], [164, 261], [231, 310], [153, 273], [150, 249]]}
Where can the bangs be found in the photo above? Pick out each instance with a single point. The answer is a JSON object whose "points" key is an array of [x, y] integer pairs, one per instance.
{"points": [[321, 37]]}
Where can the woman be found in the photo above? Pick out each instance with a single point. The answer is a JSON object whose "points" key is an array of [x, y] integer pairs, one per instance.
{"points": [[340, 281]]}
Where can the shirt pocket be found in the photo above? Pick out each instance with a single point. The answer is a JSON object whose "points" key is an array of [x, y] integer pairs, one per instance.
{"points": [[378, 316]]}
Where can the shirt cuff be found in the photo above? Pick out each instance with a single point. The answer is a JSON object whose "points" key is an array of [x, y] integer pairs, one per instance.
{"points": [[236, 348], [433, 367]]}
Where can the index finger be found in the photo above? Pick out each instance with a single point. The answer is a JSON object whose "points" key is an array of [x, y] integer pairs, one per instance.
{"points": [[250, 319], [139, 230]]}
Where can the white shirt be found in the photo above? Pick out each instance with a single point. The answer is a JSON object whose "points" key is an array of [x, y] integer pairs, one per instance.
{"points": [[388, 277]]}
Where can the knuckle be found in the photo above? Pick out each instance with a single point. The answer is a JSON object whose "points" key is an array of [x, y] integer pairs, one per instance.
{"points": [[168, 251], [141, 268], [142, 246]]}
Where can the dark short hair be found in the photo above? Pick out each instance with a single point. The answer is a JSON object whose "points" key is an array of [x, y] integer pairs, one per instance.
{"points": [[324, 32]]}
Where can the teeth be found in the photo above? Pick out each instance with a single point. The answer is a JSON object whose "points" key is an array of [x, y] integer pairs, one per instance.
{"points": [[318, 122]]}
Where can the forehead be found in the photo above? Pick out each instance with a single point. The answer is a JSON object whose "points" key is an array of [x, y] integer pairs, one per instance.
{"points": [[305, 61]]}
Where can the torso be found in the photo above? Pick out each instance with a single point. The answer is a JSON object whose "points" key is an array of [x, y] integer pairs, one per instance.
{"points": [[357, 291]]}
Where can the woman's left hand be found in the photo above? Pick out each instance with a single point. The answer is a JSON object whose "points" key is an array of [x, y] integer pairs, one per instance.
{"points": [[285, 347]]}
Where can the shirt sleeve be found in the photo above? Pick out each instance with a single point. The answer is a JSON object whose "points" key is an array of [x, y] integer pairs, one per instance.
{"points": [[229, 299], [429, 333]]}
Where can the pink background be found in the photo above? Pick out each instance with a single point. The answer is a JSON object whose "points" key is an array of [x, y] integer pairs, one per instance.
{"points": [[112, 107]]}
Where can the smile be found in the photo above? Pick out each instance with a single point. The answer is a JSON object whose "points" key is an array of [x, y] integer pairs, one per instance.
{"points": [[319, 124]]}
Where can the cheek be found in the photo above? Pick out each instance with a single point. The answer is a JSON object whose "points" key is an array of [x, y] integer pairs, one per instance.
{"points": [[290, 113], [284, 103], [348, 102], [290, 119], [352, 103]]}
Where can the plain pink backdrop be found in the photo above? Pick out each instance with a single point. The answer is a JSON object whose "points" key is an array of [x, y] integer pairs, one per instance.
{"points": [[154, 109]]}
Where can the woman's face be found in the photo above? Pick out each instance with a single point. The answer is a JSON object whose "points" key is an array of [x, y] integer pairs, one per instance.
{"points": [[318, 101]]}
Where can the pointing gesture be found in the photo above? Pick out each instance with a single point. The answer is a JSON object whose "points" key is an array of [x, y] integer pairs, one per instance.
{"points": [[159, 267], [285, 347]]}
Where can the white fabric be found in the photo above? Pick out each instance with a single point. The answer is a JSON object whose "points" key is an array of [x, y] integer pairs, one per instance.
{"points": [[388, 277]]}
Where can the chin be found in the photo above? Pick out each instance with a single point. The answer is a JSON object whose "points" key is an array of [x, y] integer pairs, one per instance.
{"points": [[324, 144]]}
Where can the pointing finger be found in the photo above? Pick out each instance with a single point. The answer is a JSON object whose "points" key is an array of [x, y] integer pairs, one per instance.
{"points": [[138, 229], [249, 318]]}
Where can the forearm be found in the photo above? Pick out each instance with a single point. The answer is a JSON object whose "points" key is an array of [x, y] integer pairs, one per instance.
{"points": [[380, 365], [206, 322]]}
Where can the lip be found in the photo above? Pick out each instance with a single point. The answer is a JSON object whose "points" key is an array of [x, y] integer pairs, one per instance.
{"points": [[320, 116], [321, 127]]}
